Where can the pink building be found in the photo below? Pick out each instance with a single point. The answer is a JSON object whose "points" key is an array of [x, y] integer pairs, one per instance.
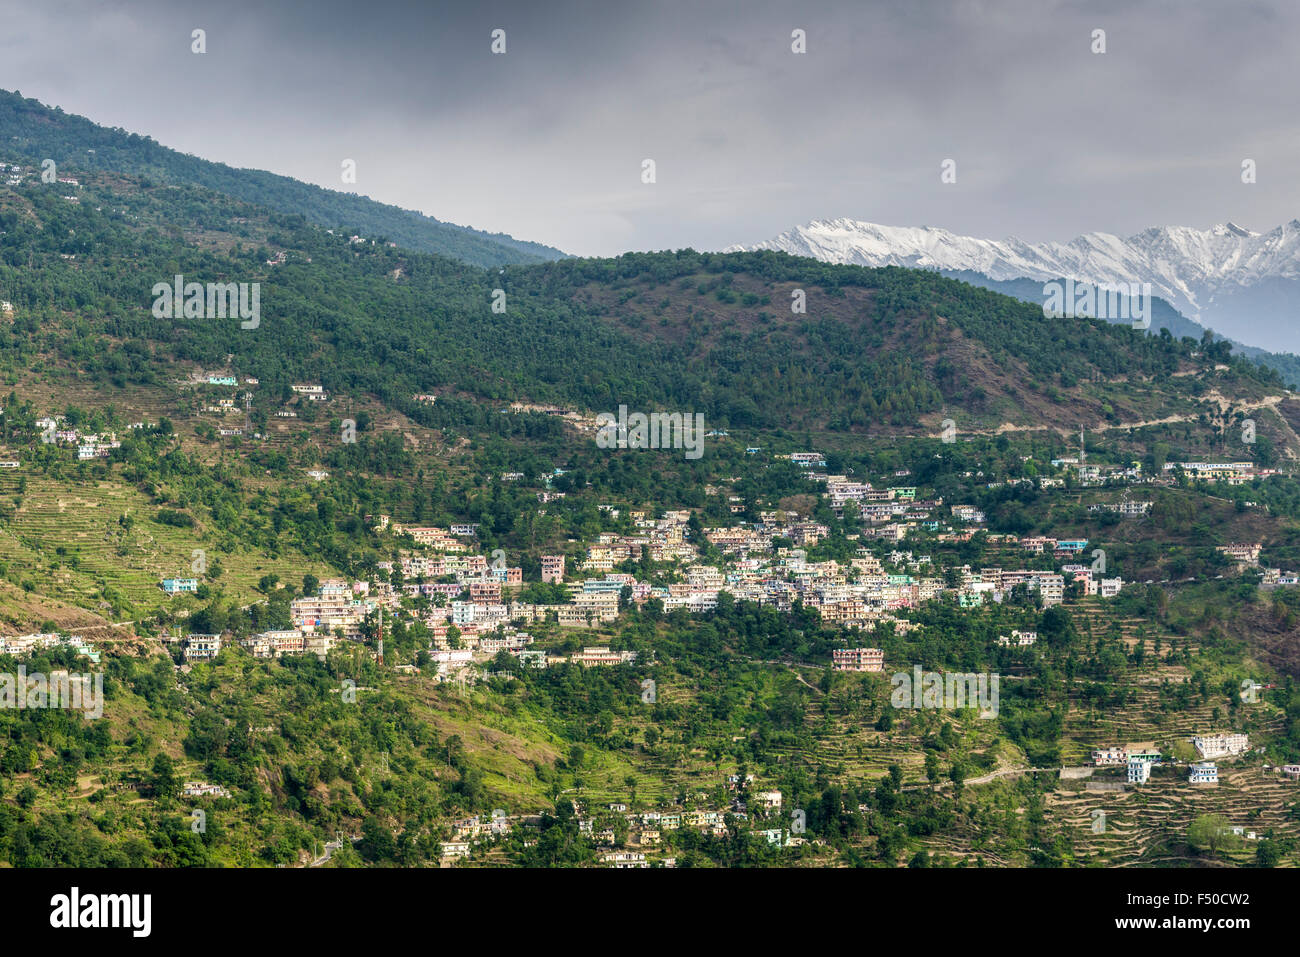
{"points": [[552, 568], [858, 659]]}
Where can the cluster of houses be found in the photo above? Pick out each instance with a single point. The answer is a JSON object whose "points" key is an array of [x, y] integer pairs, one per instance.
{"points": [[17, 175], [888, 513], [312, 393], [459, 642], [1246, 555], [1094, 474], [203, 789], [21, 646], [1126, 508], [1138, 759], [1018, 639], [473, 608], [1233, 473], [665, 540], [91, 445], [474, 612], [645, 830], [1087, 475]]}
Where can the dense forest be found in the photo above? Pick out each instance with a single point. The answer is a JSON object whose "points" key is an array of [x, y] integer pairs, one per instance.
{"points": [[690, 331]]}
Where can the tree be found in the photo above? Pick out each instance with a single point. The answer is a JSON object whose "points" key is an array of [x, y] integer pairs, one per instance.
{"points": [[1056, 627], [377, 843], [1268, 853], [1211, 833], [164, 782]]}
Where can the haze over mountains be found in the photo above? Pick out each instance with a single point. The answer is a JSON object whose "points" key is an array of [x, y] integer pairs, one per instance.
{"points": [[1240, 283]]}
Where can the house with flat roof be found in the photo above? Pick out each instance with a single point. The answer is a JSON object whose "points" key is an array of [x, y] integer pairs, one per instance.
{"points": [[202, 647], [1219, 745], [1139, 771]]}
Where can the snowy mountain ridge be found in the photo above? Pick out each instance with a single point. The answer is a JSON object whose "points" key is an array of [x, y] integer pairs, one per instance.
{"points": [[1227, 277]]}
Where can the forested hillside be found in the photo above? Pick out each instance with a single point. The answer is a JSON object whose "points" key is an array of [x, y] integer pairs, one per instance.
{"points": [[708, 333], [381, 388], [1163, 316], [36, 132]]}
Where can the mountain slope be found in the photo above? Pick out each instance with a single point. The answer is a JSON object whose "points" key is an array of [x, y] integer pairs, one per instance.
{"points": [[866, 374], [36, 132], [1163, 316], [1240, 283], [876, 349]]}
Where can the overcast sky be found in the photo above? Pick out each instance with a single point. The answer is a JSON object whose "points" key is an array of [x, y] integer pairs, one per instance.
{"points": [[546, 142]]}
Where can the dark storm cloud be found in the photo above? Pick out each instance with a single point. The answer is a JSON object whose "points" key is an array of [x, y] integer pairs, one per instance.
{"points": [[546, 142]]}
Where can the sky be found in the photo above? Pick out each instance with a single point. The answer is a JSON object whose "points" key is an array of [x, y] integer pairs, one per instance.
{"points": [[547, 140]]}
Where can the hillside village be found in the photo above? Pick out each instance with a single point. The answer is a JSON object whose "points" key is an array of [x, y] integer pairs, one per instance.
{"points": [[472, 606], [674, 662], [483, 623]]}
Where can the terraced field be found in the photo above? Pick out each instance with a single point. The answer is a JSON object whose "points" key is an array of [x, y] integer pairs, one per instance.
{"points": [[1147, 825], [66, 543]]}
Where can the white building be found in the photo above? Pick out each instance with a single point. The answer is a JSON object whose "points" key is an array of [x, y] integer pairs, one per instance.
{"points": [[1218, 745], [202, 647], [1104, 756], [1138, 771], [1018, 638]]}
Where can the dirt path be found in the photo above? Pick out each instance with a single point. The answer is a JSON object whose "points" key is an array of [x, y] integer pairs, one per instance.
{"points": [[1221, 402]]}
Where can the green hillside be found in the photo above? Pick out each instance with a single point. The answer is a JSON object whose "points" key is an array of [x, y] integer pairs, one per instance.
{"points": [[227, 453], [36, 132]]}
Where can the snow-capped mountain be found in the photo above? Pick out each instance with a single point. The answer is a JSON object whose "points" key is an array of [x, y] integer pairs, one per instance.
{"points": [[1242, 284]]}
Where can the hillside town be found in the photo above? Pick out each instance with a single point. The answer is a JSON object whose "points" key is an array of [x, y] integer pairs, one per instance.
{"points": [[470, 601]]}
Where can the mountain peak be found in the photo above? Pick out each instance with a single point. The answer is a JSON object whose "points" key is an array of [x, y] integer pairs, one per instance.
{"points": [[1226, 275], [1231, 228]]}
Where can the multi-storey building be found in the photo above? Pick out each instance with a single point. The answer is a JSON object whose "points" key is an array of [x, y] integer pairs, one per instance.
{"points": [[1138, 771], [858, 659], [552, 568], [1217, 745]]}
